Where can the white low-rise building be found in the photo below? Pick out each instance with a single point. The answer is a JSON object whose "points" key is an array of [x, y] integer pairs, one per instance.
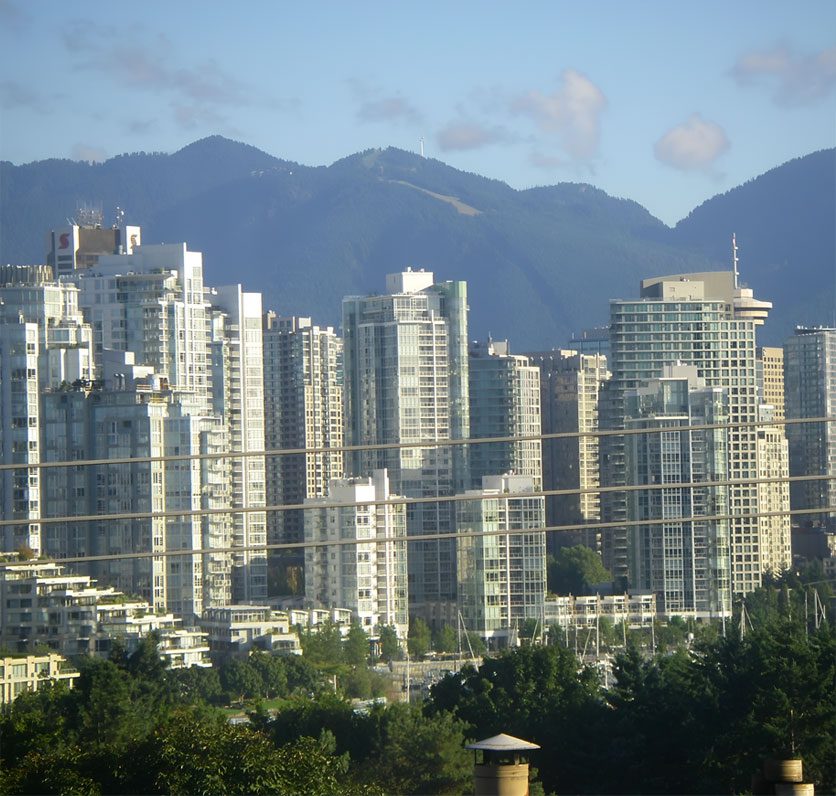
{"points": [[182, 648], [637, 610], [239, 628], [42, 606], [29, 672], [311, 617]]}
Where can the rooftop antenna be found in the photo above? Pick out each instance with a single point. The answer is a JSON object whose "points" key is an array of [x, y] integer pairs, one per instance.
{"points": [[734, 258], [421, 142], [89, 215]]}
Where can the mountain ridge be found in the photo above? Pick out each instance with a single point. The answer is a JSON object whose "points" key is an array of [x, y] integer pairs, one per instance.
{"points": [[535, 259]]}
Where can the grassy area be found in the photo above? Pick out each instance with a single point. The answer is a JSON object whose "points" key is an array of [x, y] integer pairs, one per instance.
{"points": [[248, 705]]}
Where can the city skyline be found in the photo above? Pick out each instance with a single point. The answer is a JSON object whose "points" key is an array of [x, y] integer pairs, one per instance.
{"points": [[133, 353], [667, 109]]}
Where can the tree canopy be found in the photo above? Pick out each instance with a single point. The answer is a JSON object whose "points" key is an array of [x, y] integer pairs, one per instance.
{"points": [[696, 719], [576, 570]]}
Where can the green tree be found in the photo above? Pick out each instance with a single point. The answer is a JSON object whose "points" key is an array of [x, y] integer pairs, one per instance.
{"points": [[390, 648], [105, 712], [356, 646], [655, 717], [576, 570], [446, 640], [472, 641], [360, 682], [609, 634], [144, 663], [419, 640], [671, 634], [536, 693], [271, 670], [46, 770], [36, 720], [421, 754], [197, 684], [202, 755], [302, 676], [773, 692], [354, 733], [322, 644], [241, 680]]}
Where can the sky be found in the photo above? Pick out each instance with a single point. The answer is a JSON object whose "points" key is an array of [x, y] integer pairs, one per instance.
{"points": [[666, 103]]}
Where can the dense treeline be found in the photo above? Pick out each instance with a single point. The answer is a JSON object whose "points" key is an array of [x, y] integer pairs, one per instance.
{"points": [[684, 722], [131, 726], [696, 720]]}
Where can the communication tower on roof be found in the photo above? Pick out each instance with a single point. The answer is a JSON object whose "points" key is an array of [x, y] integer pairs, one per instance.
{"points": [[89, 215]]}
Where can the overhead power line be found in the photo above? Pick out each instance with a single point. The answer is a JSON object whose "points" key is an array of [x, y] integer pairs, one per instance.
{"points": [[430, 537], [401, 500], [383, 446]]}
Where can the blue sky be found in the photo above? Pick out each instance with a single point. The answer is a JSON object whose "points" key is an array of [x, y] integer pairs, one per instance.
{"points": [[667, 103]]}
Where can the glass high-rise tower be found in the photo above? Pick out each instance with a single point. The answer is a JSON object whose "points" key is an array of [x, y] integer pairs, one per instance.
{"points": [[406, 382], [705, 320], [810, 391]]}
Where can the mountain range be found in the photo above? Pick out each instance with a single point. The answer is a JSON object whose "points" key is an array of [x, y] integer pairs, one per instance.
{"points": [[541, 264]]}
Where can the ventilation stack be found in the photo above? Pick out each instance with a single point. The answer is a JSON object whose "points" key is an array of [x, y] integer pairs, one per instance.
{"points": [[782, 778], [501, 767]]}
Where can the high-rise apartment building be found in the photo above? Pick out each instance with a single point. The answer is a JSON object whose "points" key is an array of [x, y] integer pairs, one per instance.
{"points": [[153, 302], [504, 402], [303, 409], [238, 398], [20, 442], [65, 348], [773, 494], [570, 384], [810, 390], [591, 341], [138, 420], [79, 245], [501, 575], [406, 383], [773, 463], [683, 559], [44, 344], [771, 379], [705, 320], [356, 557], [206, 347]]}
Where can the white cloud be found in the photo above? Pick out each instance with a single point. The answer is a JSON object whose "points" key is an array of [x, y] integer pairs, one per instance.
{"points": [[388, 109], [202, 92], [463, 135], [572, 113], [693, 145], [793, 79], [376, 106]]}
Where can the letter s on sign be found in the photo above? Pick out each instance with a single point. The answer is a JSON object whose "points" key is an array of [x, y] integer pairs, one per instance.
{"points": [[64, 240]]}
